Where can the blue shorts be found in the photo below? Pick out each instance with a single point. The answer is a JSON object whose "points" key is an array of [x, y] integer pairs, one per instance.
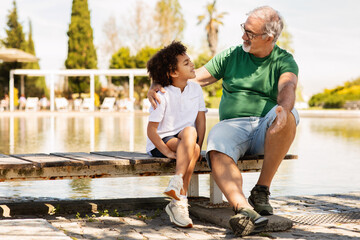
{"points": [[239, 136]]}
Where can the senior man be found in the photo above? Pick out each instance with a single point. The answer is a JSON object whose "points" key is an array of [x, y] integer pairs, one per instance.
{"points": [[257, 114]]}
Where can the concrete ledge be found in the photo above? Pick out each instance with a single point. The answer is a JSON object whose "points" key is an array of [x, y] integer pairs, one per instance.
{"points": [[221, 215], [51, 207]]}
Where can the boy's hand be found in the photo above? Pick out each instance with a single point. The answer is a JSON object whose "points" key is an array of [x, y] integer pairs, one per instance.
{"points": [[152, 95], [171, 155]]}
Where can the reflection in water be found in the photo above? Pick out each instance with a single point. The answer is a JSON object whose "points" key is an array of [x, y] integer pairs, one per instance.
{"points": [[328, 150], [81, 188], [347, 129]]}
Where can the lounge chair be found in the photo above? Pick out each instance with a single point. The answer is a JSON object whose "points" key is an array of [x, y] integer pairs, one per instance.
{"points": [[77, 104], [125, 104], [4, 105], [62, 104], [86, 105], [108, 104], [32, 104]]}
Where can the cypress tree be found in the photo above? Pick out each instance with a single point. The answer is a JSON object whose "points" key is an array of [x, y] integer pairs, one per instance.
{"points": [[15, 39], [35, 86], [81, 50]]}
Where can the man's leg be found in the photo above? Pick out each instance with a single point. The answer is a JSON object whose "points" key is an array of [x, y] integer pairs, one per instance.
{"points": [[229, 179], [276, 147]]}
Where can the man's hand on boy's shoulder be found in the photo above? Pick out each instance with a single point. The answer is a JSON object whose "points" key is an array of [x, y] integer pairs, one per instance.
{"points": [[152, 94]]}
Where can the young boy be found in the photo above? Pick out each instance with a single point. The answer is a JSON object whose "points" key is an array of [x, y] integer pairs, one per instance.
{"points": [[176, 127]]}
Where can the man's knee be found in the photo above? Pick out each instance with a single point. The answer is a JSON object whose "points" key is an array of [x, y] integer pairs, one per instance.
{"points": [[216, 157]]}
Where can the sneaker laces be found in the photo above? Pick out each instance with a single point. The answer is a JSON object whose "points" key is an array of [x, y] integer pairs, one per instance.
{"points": [[261, 196], [183, 207], [237, 209]]}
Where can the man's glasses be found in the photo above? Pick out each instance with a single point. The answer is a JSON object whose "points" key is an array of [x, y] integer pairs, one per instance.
{"points": [[250, 34]]}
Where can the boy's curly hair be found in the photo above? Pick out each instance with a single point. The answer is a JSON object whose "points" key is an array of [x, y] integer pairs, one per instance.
{"points": [[164, 62]]}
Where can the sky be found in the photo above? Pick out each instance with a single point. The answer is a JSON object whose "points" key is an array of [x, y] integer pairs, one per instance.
{"points": [[326, 34]]}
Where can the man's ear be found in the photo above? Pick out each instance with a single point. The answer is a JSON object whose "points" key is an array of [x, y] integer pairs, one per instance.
{"points": [[270, 38]]}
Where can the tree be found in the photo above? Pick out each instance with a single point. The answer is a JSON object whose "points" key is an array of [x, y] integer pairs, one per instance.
{"points": [[120, 60], [285, 40], [142, 84], [213, 91], [112, 41], [169, 20], [212, 26], [81, 50], [142, 30], [15, 39], [35, 86], [123, 59]]}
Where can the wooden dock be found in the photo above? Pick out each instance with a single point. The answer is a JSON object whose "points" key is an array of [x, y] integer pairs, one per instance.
{"points": [[73, 165]]}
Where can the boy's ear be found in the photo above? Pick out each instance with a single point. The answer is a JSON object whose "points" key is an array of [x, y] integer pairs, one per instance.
{"points": [[174, 74]]}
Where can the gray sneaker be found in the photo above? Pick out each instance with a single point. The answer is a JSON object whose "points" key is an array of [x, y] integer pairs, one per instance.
{"points": [[259, 200], [246, 221]]}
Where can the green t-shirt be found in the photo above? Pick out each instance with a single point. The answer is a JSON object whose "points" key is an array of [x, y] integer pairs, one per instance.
{"points": [[250, 84]]}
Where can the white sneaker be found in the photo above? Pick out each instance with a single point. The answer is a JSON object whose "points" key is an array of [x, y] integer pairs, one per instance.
{"points": [[179, 213], [175, 185]]}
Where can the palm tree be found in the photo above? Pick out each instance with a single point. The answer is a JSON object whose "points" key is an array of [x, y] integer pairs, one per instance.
{"points": [[212, 27]]}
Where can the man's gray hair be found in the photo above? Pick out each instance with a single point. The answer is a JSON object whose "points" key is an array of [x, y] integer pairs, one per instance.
{"points": [[274, 23]]}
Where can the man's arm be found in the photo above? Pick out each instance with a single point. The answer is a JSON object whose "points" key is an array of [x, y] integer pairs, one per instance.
{"points": [[286, 99], [203, 77]]}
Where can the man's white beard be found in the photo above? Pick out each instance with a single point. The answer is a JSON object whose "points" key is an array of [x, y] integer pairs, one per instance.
{"points": [[246, 47]]}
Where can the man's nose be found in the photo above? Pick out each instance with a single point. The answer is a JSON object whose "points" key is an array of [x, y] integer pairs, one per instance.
{"points": [[245, 36]]}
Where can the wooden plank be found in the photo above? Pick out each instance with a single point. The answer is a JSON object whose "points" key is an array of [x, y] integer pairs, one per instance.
{"points": [[8, 162], [92, 159], [45, 160], [135, 157]]}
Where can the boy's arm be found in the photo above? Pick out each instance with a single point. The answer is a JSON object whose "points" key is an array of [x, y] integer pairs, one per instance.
{"points": [[157, 141], [200, 125]]}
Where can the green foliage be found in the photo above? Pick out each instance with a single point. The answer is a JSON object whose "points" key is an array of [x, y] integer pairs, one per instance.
{"points": [[122, 59], [15, 39], [34, 86], [169, 20], [213, 91], [285, 40], [336, 98], [81, 50], [142, 84], [15, 36]]}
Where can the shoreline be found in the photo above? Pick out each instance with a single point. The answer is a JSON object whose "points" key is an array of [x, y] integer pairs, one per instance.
{"points": [[211, 112]]}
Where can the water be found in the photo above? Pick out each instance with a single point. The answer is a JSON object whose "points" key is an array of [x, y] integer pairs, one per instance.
{"points": [[328, 150]]}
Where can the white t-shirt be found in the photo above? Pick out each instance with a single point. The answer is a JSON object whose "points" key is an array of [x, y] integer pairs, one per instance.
{"points": [[177, 110]]}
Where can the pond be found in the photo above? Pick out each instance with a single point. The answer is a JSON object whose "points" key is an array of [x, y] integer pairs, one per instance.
{"points": [[328, 149]]}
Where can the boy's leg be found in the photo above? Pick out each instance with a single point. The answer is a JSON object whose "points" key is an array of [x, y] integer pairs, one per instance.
{"points": [[190, 170], [187, 153]]}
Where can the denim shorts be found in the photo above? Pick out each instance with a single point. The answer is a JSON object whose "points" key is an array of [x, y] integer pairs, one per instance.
{"points": [[156, 152], [239, 136]]}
